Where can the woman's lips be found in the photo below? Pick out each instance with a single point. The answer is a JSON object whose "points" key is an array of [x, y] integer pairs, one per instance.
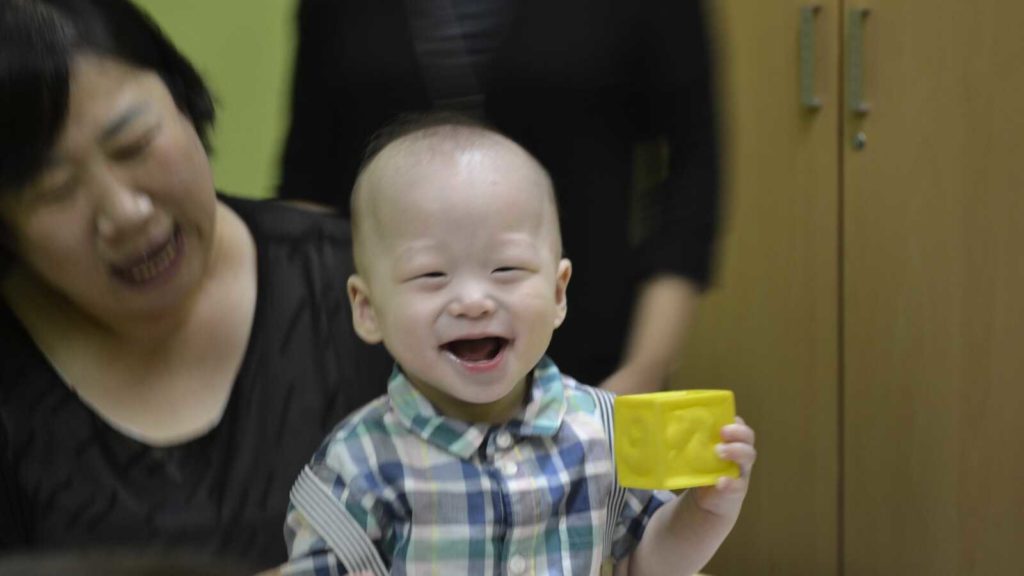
{"points": [[154, 264]]}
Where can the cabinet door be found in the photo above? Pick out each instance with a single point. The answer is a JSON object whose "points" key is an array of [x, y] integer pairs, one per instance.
{"points": [[768, 329], [933, 292]]}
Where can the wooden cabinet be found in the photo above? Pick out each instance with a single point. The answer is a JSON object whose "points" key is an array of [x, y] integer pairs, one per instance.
{"points": [[869, 308]]}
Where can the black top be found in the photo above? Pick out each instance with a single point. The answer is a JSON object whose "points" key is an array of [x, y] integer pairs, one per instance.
{"points": [[67, 479], [578, 83]]}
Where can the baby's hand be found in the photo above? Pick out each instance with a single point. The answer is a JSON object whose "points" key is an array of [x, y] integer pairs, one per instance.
{"points": [[726, 497]]}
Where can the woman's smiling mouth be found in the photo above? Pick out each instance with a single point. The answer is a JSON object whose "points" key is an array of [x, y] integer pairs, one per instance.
{"points": [[154, 264]]}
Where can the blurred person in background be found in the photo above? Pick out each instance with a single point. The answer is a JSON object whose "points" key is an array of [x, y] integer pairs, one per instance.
{"points": [[594, 90]]}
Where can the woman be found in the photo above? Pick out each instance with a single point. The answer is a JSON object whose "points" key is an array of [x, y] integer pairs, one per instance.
{"points": [[169, 358]]}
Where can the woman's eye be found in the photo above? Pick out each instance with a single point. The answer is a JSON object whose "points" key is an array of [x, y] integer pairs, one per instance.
{"points": [[134, 148], [54, 192]]}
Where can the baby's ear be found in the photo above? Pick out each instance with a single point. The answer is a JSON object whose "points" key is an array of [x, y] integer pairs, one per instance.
{"points": [[561, 287], [364, 318]]}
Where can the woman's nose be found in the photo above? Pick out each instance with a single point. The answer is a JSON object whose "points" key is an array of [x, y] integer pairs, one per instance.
{"points": [[121, 209]]}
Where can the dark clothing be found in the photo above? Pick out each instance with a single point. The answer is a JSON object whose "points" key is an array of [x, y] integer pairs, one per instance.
{"points": [[67, 479], [579, 83]]}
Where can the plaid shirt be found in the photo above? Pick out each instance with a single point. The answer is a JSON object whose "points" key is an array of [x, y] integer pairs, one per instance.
{"points": [[441, 496]]}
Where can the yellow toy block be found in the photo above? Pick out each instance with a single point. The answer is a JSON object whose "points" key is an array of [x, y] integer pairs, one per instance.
{"points": [[666, 440]]}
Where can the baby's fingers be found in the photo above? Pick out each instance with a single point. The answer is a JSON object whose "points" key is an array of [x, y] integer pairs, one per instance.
{"points": [[742, 454], [738, 432]]}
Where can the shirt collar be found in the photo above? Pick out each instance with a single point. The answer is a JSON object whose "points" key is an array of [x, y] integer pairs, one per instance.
{"points": [[542, 415]]}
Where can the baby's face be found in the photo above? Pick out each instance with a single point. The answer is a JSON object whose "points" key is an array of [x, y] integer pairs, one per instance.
{"points": [[463, 279]]}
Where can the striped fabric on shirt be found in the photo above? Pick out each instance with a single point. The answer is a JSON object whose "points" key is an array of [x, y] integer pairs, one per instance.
{"points": [[441, 496]]}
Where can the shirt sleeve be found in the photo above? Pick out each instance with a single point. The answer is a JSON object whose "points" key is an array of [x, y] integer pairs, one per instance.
{"points": [[682, 214], [308, 169], [308, 552], [640, 506]]}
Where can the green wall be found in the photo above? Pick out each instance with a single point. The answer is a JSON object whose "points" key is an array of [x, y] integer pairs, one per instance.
{"points": [[244, 49]]}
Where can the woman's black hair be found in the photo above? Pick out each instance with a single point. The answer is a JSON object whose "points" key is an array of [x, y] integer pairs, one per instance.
{"points": [[38, 41]]}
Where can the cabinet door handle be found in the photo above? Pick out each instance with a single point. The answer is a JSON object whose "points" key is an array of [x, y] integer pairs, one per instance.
{"points": [[808, 60], [855, 61]]}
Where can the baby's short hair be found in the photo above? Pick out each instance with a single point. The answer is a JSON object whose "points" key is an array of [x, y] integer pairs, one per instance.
{"points": [[442, 125], [413, 122]]}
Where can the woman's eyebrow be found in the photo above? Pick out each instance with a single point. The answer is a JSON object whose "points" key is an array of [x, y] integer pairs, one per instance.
{"points": [[122, 120]]}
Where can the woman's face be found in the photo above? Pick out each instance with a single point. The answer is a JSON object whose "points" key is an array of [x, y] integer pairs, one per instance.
{"points": [[120, 220]]}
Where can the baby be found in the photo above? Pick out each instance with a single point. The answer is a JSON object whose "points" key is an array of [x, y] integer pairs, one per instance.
{"points": [[483, 458]]}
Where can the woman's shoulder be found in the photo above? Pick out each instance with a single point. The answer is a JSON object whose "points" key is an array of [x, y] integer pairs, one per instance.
{"points": [[286, 221], [295, 241]]}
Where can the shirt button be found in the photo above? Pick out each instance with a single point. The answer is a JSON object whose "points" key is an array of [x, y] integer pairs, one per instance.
{"points": [[509, 468], [504, 440], [517, 565]]}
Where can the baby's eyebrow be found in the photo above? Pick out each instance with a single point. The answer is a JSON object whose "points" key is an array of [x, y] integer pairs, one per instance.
{"points": [[416, 252]]}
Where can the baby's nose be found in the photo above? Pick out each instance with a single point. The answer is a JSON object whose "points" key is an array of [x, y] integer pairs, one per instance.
{"points": [[473, 303]]}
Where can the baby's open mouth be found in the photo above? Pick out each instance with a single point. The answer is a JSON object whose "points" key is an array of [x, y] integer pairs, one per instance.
{"points": [[477, 349]]}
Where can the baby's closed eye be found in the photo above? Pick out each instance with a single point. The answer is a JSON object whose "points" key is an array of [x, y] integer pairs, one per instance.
{"points": [[511, 273], [431, 279]]}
